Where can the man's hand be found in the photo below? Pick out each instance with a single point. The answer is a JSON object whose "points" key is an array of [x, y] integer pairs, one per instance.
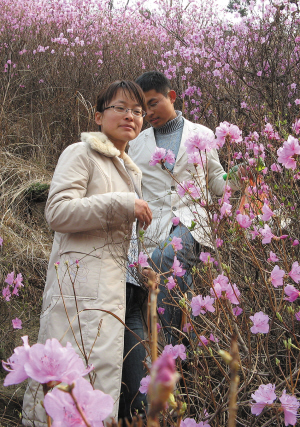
{"points": [[143, 213], [151, 276]]}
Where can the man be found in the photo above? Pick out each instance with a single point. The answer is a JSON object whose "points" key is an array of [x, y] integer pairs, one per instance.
{"points": [[170, 130]]}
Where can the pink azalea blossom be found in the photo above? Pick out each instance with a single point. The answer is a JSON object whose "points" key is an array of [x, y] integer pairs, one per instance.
{"points": [[177, 268], [254, 233], [12, 281], [237, 310], [295, 272], [145, 384], [202, 305], [206, 257], [18, 280], [276, 168], [187, 327], [15, 364], [296, 126], [226, 129], [17, 323], [244, 220], [297, 315], [10, 278], [260, 323], [1, 241], [272, 257], [197, 159], [158, 156], [213, 338], [203, 340], [158, 327], [266, 233], [219, 242], [95, 405], [277, 276], [188, 187], [176, 243], [223, 289], [175, 220], [200, 142], [143, 260], [190, 422], [269, 131], [290, 406], [53, 362], [160, 310], [170, 157], [178, 350], [15, 291], [291, 292], [171, 283], [267, 213], [286, 153], [264, 395], [295, 242], [6, 293], [226, 209]]}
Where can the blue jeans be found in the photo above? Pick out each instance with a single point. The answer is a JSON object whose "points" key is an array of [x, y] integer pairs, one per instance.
{"points": [[133, 369], [162, 261]]}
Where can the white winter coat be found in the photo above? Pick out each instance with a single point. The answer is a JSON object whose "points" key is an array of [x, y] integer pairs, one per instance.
{"points": [[159, 188], [91, 209]]}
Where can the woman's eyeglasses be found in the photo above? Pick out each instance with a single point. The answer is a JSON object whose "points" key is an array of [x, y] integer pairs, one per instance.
{"points": [[137, 112]]}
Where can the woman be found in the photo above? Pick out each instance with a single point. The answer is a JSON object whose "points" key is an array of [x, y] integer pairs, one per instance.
{"points": [[93, 203]]}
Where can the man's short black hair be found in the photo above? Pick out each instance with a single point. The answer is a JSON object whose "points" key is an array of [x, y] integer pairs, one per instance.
{"points": [[154, 80]]}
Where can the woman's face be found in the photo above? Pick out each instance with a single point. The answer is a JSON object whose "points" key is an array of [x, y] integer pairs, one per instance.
{"points": [[120, 127]]}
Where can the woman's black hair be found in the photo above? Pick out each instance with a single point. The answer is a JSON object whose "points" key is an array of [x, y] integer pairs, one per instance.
{"points": [[128, 87]]}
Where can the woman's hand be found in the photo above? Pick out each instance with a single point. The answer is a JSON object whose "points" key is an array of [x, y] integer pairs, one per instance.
{"points": [[143, 213]]}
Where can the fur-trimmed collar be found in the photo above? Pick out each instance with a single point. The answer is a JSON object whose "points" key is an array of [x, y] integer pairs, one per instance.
{"points": [[98, 141]]}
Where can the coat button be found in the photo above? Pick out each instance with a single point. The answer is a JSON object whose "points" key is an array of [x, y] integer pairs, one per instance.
{"points": [[120, 307], [174, 208], [173, 188]]}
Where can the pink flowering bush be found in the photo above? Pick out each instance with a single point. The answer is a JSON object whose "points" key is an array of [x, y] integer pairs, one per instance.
{"points": [[55, 57]]}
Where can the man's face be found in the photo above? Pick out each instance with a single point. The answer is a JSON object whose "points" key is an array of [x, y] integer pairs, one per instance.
{"points": [[160, 108]]}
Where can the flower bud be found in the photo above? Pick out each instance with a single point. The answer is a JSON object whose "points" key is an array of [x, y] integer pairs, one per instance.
{"points": [[162, 384], [225, 356]]}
